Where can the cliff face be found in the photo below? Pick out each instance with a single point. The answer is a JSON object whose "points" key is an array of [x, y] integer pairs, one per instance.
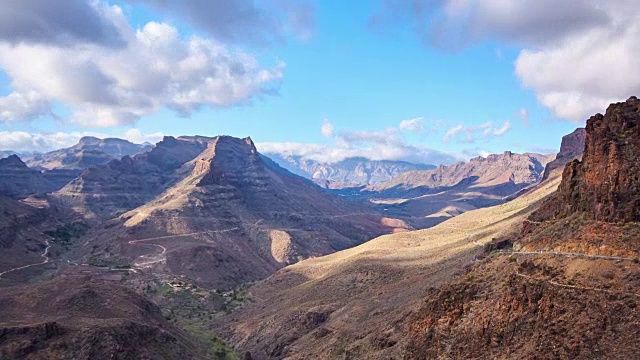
{"points": [[20, 181], [604, 185], [572, 147]]}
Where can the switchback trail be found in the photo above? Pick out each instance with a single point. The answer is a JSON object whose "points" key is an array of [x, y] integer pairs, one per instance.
{"points": [[570, 254], [164, 249]]}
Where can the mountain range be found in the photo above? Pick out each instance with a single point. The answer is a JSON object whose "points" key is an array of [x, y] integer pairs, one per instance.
{"points": [[347, 173], [163, 253]]}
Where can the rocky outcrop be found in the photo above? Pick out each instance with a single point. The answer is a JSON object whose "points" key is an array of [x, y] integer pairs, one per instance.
{"points": [[571, 148], [17, 180], [350, 172], [605, 185]]}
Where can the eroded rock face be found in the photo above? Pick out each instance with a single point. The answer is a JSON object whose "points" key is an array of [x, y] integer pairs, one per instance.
{"points": [[572, 147], [20, 181], [604, 185]]}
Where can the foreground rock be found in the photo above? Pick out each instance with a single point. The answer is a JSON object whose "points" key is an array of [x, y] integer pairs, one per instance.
{"points": [[605, 185], [571, 291], [76, 317]]}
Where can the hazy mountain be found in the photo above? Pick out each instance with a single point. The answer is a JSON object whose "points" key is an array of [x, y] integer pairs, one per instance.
{"points": [[350, 172], [89, 151], [425, 198]]}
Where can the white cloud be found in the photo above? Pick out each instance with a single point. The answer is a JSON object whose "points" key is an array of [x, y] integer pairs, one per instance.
{"points": [[503, 130], [106, 86], [451, 133], [577, 56], [523, 114], [415, 124], [18, 106], [21, 141], [43, 21], [375, 145], [469, 134], [138, 137], [326, 129], [243, 21]]}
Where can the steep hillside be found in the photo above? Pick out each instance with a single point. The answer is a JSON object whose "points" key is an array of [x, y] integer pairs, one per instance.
{"points": [[17, 180], [109, 190], [605, 185], [571, 148], [425, 198], [231, 216], [78, 317], [356, 303], [350, 172], [569, 289], [89, 151]]}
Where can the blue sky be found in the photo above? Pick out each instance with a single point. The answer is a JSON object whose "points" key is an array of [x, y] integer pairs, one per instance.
{"points": [[482, 85]]}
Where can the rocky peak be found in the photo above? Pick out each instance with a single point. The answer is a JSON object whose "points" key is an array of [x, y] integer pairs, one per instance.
{"points": [[12, 161], [227, 160], [605, 184], [19, 181], [86, 140]]}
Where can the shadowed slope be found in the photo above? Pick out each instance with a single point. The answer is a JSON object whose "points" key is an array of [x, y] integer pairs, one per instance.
{"points": [[355, 302]]}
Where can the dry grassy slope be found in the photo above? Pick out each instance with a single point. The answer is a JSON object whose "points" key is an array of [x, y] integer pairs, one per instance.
{"points": [[356, 301]]}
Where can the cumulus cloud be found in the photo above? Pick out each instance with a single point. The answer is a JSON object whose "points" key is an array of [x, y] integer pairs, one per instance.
{"points": [[469, 134], [19, 106], [326, 129], [107, 87], [22, 141], [52, 22], [456, 23], [415, 124], [243, 21], [577, 56]]}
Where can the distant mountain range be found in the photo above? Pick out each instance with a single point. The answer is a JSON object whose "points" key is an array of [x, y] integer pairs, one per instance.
{"points": [[350, 172], [427, 197], [89, 151]]}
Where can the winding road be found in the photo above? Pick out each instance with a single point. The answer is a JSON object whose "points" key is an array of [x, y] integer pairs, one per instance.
{"points": [[164, 249], [44, 255]]}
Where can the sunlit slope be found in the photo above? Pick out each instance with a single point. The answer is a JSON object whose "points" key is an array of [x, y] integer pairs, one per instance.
{"points": [[355, 301]]}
